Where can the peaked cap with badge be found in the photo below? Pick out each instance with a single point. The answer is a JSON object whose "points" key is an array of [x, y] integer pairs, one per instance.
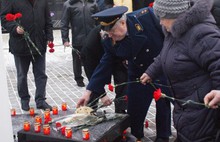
{"points": [[107, 18]]}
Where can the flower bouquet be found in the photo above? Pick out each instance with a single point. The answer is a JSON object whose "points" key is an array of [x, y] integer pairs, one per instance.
{"points": [[15, 17]]}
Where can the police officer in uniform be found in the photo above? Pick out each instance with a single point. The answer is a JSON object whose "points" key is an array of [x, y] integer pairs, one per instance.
{"points": [[137, 37]]}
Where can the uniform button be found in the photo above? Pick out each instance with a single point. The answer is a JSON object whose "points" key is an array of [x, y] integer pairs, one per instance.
{"points": [[134, 58], [141, 65], [147, 50]]}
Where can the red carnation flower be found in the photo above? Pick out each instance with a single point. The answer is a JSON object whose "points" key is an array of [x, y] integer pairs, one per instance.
{"points": [[126, 98], [157, 94], [111, 87], [51, 45], [51, 50], [10, 17], [151, 4], [146, 124], [18, 15], [63, 130], [46, 121], [58, 124]]}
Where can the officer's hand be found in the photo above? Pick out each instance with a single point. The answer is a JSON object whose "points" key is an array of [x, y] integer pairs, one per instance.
{"points": [[66, 44], [212, 99], [84, 99], [145, 78], [20, 30], [103, 34], [106, 100]]}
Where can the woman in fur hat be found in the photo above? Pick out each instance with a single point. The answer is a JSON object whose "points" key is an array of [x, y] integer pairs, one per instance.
{"points": [[190, 59]]}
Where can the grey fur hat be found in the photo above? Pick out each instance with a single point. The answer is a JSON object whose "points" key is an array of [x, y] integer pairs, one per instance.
{"points": [[170, 9]]}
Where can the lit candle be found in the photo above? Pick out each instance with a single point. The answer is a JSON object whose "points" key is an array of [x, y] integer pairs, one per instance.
{"points": [[68, 132], [55, 110], [64, 106], [46, 129], [27, 126], [31, 111], [38, 119], [37, 127], [86, 134], [46, 114], [13, 112]]}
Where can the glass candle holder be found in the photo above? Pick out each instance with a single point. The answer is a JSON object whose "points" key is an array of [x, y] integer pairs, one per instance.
{"points": [[31, 111], [46, 129], [47, 114], [64, 106], [13, 112], [55, 110], [85, 133], [68, 132], [37, 127], [26, 126], [38, 119]]}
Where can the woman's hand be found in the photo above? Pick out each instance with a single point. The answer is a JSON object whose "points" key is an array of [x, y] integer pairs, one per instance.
{"points": [[145, 78], [212, 99]]}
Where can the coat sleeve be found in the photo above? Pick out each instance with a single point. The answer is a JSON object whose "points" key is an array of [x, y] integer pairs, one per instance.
{"points": [[10, 26], [102, 73], [64, 24], [205, 51], [155, 69], [49, 24]]}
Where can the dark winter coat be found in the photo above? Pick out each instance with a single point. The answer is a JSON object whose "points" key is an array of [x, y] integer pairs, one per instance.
{"points": [[138, 4], [36, 20], [77, 13], [216, 11], [190, 59], [104, 4]]}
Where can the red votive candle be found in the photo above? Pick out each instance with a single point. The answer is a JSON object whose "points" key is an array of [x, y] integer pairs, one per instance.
{"points": [[38, 119], [68, 132], [31, 111], [47, 114], [86, 134], [55, 110], [46, 129], [37, 127], [64, 106], [13, 112], [27, 126]]}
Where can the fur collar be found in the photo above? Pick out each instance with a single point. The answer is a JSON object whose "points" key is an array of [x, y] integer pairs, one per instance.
{"points": [[199, 11]]}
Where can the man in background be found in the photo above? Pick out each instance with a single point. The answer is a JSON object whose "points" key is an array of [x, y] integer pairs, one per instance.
{"points": [[77, 15]]}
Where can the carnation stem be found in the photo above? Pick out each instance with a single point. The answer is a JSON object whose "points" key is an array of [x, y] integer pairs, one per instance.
{"points": [[125, 83], [75, 50], [97, 99], [184, 102], [30, 49], [26, 36]]}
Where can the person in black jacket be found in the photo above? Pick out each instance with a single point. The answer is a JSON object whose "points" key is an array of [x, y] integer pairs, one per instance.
{"points": [[216, 12], [104, 4], [92, 53], [138, 4], [35, 20], [77, 13]]}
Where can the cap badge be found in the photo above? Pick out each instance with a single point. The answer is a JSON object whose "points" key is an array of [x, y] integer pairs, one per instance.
{"points": [[109, 23]]}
